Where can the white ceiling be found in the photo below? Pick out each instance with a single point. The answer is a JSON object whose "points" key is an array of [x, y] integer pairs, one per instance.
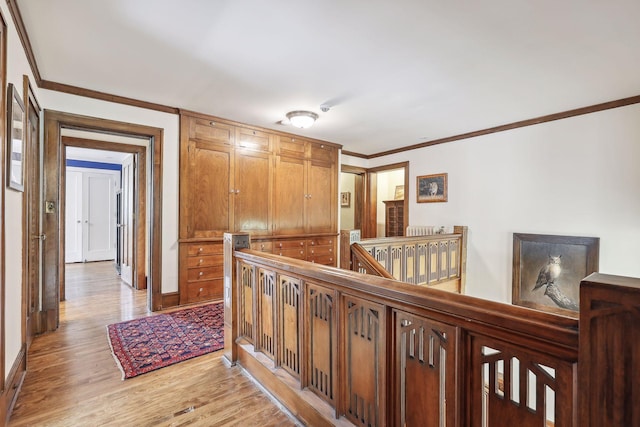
{"points": [[395, 73]]}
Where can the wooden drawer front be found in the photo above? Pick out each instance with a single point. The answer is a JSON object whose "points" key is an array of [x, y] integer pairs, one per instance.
{"points": [[291, 146], [205, 261], [262, 246], [204, 249], [288, 244], [321, 241], [297, 253], [323, 259], [323, 152], [320, 250], [209, 130], [253, 139], [204, 290], [205, 273]]}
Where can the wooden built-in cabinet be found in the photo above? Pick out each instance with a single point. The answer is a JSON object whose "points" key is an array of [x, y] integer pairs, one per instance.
{"points": [[394, 218], [244, 179], [201, 271]]}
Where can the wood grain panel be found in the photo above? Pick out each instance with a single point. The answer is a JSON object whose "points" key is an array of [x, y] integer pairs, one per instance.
{"points": [[322, 336], [290, 307], [320, 202], [209, 212], [252, 198], [288, 199], [253, 139], [425, 372], [364, 362], [247, 307], [210, 130], [266, 313]]}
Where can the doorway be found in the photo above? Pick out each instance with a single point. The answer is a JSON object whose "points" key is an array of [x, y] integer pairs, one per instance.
{"points": [[386, 184], [56, 124]]}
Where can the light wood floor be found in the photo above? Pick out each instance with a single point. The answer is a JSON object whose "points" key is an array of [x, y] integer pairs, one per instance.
{"points": [[72, 378]]}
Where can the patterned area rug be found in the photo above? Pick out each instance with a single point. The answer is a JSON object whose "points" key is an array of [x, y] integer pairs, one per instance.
{"points": [[143, 345]]}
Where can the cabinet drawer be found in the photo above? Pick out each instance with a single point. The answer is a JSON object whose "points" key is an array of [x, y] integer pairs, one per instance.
{"points": [[262, 246], [210, 130], [253, 139], [204, 249], [205, 273], [204, 290], [205, 261], [320, 250], [288, 244], [323, 259], [297, 253], [322, 241]]}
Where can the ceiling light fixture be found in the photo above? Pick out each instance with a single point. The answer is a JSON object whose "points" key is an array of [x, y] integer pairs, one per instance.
{"points": [[302, 119]]}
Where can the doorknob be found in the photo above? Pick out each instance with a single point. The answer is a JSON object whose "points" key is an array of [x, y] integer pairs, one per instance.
{"points": [[41, 237]]}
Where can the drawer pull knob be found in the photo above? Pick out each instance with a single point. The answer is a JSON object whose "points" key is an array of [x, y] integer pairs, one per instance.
{"points": [[200, 249], [201, 273], [200, 261], [200, 290]]}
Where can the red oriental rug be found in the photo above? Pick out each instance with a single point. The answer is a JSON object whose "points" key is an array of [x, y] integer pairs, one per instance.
{"points": [[143, 345]]}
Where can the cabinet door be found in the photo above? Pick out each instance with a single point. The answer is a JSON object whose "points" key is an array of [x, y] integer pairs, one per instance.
{"points": [[251, 201], [289, 195], [209, 211], [321, 204]]}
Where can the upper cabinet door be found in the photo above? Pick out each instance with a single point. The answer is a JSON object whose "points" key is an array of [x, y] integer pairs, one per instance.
{"points": [[253, 139], [210, 131], [209, 207], [289, 195], [252, 198]]}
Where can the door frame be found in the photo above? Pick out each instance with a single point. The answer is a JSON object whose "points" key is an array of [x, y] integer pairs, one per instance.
{"points": [[371, 205], [54, 220], [360, 196], [140, 196]]}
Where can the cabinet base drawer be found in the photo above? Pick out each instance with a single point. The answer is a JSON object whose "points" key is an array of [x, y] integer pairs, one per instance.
{"points": [[204, 290], [204, 273], [324, 260]]}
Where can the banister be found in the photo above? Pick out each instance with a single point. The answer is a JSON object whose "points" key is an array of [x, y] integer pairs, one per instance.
{"points": [[362, 259]]}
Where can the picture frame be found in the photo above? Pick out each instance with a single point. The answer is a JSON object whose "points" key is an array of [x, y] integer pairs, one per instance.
{"points": [[547, 270], [15, 140], [432, 188], [345, 199], [399, 193]]}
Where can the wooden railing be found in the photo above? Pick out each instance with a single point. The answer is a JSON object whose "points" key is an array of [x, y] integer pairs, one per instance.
{"points": [[437, 260], [340, 347]]}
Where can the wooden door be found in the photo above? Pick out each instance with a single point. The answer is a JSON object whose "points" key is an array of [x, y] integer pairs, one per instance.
{"points": [[126, 226], [320, 201], [34, 235], [209, 209], [289, 198], [252, 186]]}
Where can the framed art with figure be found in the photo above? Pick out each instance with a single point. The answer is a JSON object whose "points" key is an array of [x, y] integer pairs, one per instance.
{"points": [[432, 188], [547, 270]]}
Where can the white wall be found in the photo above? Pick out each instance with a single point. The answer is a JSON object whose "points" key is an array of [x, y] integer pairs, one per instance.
{"points": [[17, 66], [575, 177]]}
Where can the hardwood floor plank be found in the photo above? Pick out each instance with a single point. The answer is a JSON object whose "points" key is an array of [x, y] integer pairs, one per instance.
{"points": [[73, 380]]}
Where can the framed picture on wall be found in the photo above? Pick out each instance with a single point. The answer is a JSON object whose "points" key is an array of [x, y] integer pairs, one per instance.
{"points": [[15, 140], [432, 188], [345, 199], [399, 193], [547, 270]]}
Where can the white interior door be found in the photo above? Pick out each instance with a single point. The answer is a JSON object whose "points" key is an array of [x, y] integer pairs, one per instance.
{"points": [[99, 216], [127, 217], [73, 217]]}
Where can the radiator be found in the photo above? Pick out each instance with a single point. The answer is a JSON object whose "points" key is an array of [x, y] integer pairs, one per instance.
{"points": [[427, 230]]}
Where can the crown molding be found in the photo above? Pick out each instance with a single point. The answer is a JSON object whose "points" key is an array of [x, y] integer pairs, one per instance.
{"points": [[24, 39]]}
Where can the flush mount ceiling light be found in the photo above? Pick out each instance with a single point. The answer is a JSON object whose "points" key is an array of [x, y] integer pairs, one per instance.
{"points": [[302, 119]]}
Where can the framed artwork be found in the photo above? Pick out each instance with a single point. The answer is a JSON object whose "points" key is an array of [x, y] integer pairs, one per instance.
{"points": [[399, 193], [547, 270], [15, 140], [345, 199], [432, 188]]}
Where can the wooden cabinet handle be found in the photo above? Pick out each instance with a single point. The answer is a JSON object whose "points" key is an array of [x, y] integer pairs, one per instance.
{"points": [[201, 273], [200, 261], [200, 249]]}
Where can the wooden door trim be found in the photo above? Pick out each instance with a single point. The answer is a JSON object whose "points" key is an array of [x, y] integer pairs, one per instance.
{"points": [[140, 179], [3, 133], [53, 223]]}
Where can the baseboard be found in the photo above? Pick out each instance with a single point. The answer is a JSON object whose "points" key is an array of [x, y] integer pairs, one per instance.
{"points": [[170, 300], [14, 384], [303, 404]]}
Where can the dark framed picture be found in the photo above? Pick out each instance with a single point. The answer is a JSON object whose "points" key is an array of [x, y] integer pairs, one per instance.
{"points": [[15, 140], [432, 188], [547, 270], [345, 199]]}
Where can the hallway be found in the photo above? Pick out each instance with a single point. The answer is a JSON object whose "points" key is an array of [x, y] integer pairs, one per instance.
{"points": [[72, 378]]}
